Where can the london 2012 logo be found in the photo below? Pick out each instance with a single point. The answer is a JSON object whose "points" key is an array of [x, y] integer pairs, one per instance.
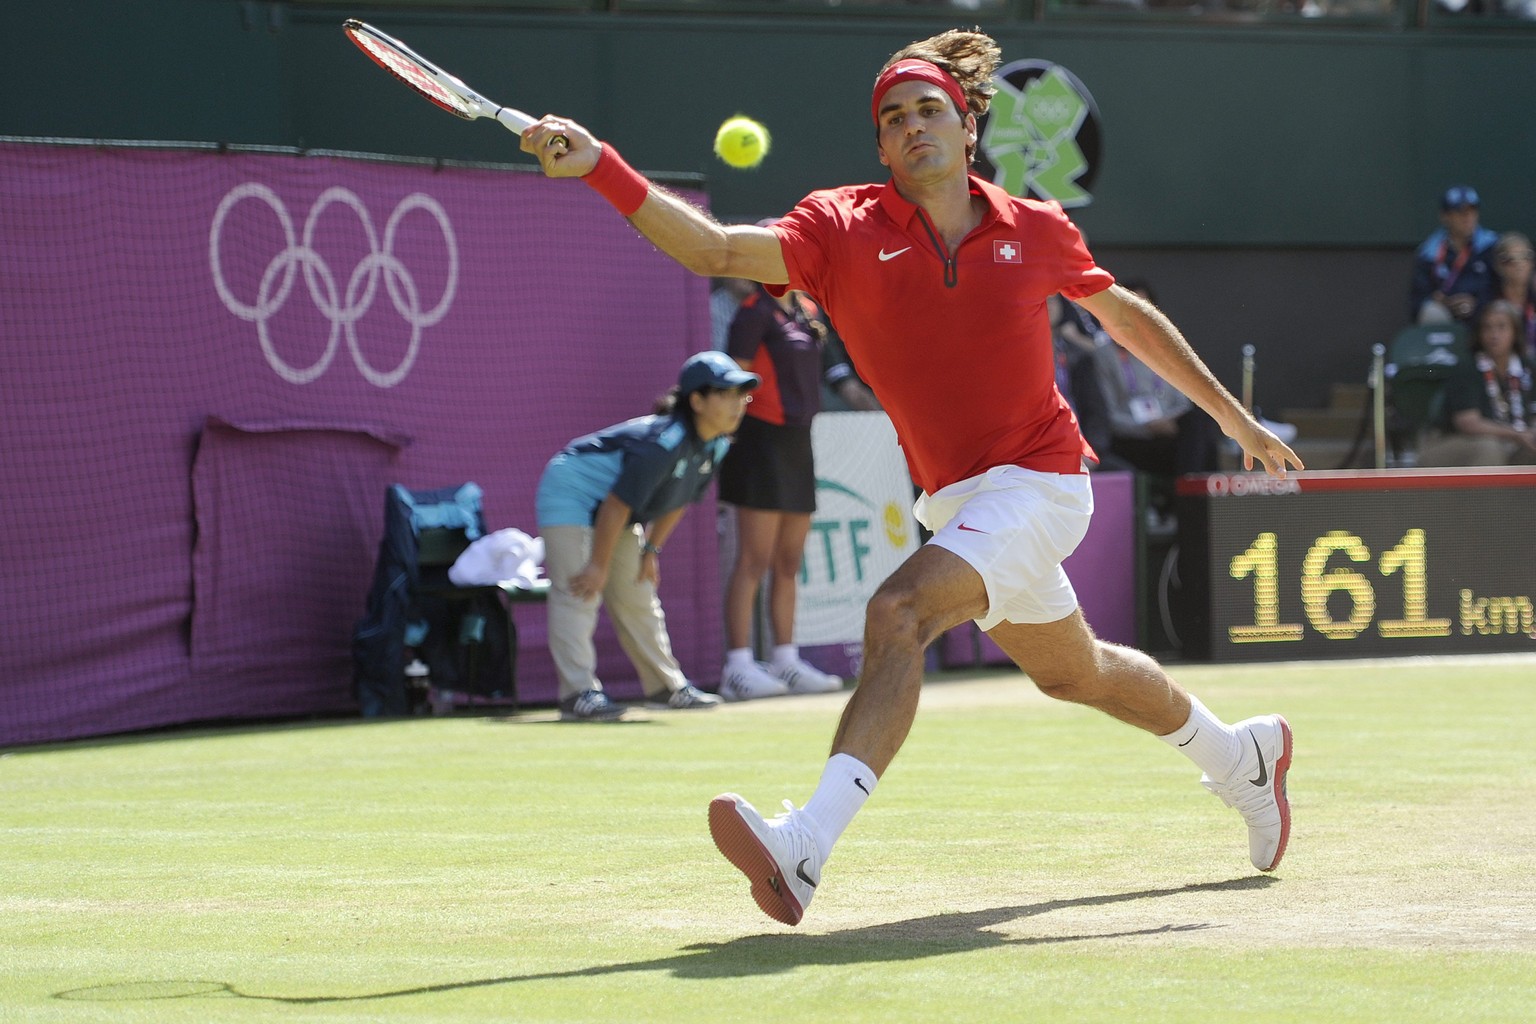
{"points": [[341, 296], [1041, 136]]}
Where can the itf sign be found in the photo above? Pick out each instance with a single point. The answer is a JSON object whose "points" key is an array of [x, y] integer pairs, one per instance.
{"points": [[863, 527]]}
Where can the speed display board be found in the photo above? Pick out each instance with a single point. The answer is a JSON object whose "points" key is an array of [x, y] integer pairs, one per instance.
{"points": [[1357, 563]]}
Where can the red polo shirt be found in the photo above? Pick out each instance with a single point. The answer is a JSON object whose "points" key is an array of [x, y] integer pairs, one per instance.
{"points": [[956, 346]]}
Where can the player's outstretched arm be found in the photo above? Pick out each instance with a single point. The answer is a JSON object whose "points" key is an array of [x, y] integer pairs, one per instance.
{"points": [[565, 149], [1143, 329]]}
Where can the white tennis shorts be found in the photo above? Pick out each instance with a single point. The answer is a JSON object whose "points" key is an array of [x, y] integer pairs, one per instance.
{"points": [[1015, 527]]}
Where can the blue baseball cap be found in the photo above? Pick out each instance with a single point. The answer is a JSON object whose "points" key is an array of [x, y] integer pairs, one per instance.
{"points": [[1458, 196], [714, 370]]}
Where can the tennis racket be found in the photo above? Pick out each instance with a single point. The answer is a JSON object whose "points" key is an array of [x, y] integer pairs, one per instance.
{"points": [[432, 82]]}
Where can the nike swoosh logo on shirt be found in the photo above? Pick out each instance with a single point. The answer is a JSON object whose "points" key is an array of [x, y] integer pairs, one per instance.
{"points": [[890, 255], [969, 529]]}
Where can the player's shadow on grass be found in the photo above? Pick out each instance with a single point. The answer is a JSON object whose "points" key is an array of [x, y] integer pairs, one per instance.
{"points": [[912, 939]]}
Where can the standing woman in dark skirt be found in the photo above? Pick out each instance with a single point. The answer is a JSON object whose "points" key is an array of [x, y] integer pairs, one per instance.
{"points": [[771, 479]]}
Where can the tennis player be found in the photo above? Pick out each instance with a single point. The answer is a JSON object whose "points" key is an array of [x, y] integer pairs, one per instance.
{"points": [[938, 283]]}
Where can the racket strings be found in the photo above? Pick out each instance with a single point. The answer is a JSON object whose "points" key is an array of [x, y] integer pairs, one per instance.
{"points": [[413, 74]]}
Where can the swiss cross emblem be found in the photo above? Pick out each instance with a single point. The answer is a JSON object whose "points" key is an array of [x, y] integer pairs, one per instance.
{"points": [[1006, 252]]}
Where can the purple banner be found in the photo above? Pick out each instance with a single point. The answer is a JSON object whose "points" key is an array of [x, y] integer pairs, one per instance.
{"points": [[215, 364]]}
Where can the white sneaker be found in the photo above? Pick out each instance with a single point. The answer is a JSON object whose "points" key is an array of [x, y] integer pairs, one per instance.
{"points": [[803, 678], [590, 706], [685, 698], [1257, 788], [691, 698], [749, 682], [779, 857]]}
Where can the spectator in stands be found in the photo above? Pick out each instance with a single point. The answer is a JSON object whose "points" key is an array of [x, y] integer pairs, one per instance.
{"points": [[771, 480], [1153, 426], [1077, 378], [1452, 270], [606, 504], [1514, 261], [1488, 406], [1077, 327]]}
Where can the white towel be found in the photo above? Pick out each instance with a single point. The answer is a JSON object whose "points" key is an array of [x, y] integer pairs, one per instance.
{"points": [[506, 556]]}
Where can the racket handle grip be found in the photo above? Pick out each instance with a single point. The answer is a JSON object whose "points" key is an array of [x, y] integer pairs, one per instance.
{"points": [[514, 120]]}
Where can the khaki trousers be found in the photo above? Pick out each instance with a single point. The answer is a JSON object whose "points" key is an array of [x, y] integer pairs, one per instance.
{"points": [[633, 607], [1453, 449]]}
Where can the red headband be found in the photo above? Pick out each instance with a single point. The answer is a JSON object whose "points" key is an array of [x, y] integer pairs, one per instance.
{"points": [[920, 71]]}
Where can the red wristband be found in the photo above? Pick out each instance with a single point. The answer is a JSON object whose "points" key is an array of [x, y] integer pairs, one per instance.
{"points": [[617, 182]]}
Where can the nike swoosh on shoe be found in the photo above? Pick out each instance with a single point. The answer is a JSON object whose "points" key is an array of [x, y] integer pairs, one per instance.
{"points": [[1263, 778]]}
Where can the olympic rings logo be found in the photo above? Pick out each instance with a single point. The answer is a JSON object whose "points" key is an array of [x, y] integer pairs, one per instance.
{"points": [[342, 308]]}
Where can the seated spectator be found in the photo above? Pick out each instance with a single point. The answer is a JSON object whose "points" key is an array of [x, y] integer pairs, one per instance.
{"points": [[1452, 270], [1487, 418], [606, 504], [1076, 326], [1514, 261], [1154, 427], [1077, 378]]}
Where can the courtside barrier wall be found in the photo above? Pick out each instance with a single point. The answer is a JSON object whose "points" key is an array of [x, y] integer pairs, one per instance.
{"points": [[214, 364]]}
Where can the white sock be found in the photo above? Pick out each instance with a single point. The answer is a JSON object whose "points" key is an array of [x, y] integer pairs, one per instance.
{"points": [[846, 783], [786, 654], [739, 656], [1208, 741]]}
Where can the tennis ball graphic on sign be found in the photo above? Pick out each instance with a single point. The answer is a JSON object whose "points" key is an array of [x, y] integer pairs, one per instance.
{"points": [[895, 524]]}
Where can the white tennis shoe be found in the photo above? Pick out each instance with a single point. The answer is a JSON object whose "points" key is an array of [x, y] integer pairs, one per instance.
{"points": [[779, 857], [749, 682], [803, 678], [1257, 787]]}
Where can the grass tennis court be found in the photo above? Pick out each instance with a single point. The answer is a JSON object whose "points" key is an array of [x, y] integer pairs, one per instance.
{"points": [[1022, 861]]}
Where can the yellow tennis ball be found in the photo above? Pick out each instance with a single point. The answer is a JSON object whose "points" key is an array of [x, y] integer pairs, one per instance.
{"points": [[742, 142]]}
